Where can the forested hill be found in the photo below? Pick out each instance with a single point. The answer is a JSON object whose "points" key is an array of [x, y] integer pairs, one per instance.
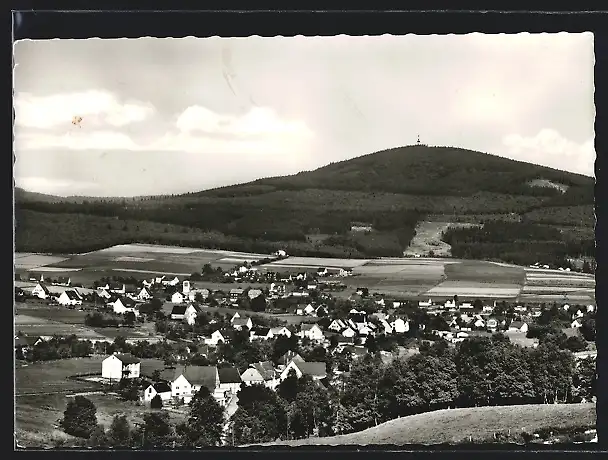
{"points": [[311, 213]]}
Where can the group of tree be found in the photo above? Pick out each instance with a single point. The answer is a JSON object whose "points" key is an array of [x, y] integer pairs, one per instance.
{"points": [[98, 319], [57, 347]]}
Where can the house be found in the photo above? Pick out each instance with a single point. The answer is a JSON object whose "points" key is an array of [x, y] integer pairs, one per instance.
{"points": [[362, 291], [281, 330], [590, 308], [25, 343], [235, 316], [578, 314], [187, 380], [63, 281], [216, 337], [120, 366], [487, 309], [344, 272], [147, 284], [309, 309], [159, 279], [492, 324], [364, 329], [262, 333], [518, 326], [186, 288], [280, 253], [103, 293], [322, 272], [69, 297], [240, 323], [41, 291], [262, 373], [123, 305], [311, 331], [253, 293], [117, 288], [196, 294], [479, 323], [349, 332], [576, 323], [277, 289], [425, 303], [387, 328], [337, 325], [316, 370], [361, 227], [178, 297], [230, 379], [172, 282], [400, 326], [288, 357], [235, 294], [162, 389], [184, 312], [143, 294]]}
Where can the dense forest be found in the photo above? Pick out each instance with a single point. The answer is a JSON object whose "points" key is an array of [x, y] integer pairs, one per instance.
{"points": [[392, 190], [516, 242]]}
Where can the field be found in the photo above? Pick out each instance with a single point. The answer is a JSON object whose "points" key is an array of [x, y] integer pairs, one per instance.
{"points": [[399, 277], [462, 425], [43, 391], [29, 261]]}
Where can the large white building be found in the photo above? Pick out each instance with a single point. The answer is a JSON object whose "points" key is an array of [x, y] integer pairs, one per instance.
{"points": [[120, 366]]}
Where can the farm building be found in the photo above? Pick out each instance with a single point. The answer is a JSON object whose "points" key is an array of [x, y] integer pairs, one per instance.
{"points": [[184, 312], [119, 366], [216, 337], [261, 333], [161, 389], [178, 297], [144, 294], [69, 297]]}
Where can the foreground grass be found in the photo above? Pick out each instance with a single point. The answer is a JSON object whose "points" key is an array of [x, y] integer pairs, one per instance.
{"points": [[456, 426]]}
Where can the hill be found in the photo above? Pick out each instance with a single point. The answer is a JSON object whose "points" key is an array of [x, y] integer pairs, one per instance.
{"points": [[457, 426], [311, 213]]}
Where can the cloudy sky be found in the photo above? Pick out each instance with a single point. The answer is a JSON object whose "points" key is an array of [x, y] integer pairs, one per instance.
{"points": [[176, 115]]}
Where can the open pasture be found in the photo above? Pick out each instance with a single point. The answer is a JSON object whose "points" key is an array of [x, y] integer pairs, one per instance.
{"points": [[29, 261], [318, 262], [34, 312], [480, 271], [31, 325], [473, 289]]}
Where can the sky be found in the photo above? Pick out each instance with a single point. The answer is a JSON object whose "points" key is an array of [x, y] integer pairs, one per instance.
{"points": [[150, 116]]}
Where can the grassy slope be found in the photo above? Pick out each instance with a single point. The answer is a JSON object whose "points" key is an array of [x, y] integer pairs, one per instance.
{"points": [[455, 426]]}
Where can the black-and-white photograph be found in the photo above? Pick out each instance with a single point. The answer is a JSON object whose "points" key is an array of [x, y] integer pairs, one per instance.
{"points": [[304, 241]]}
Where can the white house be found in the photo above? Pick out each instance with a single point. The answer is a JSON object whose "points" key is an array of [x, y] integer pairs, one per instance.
{"points": [[349, 332], [253, 293], [117, 288], [309, 310], [41, 291], [277, 289], [178, 297], [69, 297], [337, 325], [186, 287], [120, 366], [172, 282], [425, 303], [311, 331], [317, 370], [281, 330], [492, 324], [184, 312], [261, 333], [216, 337], [345, 272], [230, 379], [144, 294], [103, 293], [162, 389], [479, 323], [364, 329], [400, 326], [518, 326], [387, 328], [240, 323], [487, 309], [123, 305], [590, 308], [187, 380], [262, 373], [576, 324], [322, 272], [280, 253]]}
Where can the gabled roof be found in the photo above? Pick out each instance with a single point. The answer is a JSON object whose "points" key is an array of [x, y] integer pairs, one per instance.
{"points": [[229, 375], [179, 310], [240, 321], [72, 295], [276, 330], [262, 331], [26, 340], [125, 301], [307, 326], [44, 288], [266, 369], [127, 358], [315, 369], [198, 375], [517, 324], [162, 387]]}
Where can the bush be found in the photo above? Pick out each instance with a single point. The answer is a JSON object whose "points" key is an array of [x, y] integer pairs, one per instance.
{"points": [[156, 403]]}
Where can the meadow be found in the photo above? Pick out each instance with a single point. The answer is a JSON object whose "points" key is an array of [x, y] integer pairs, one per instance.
{"points": [[457, 426]]}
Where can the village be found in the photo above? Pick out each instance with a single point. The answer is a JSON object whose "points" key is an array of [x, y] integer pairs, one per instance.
{"points": [[346, 329]]}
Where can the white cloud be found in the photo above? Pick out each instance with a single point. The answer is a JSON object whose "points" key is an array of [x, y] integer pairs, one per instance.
{"points": [[52, 186], [258, 121], [550, 148], [95, 108]]}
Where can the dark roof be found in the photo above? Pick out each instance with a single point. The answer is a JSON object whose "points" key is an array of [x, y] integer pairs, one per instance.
{"points": [[127, 358], [126, 301], [517, 324], [288, 356], [162, 387], [316, 369], [266, 369], [229, 375], [179, 310], [261, 331], [44, 288], [198, 375], [240, 321], [72, 295], [26, 340]]}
